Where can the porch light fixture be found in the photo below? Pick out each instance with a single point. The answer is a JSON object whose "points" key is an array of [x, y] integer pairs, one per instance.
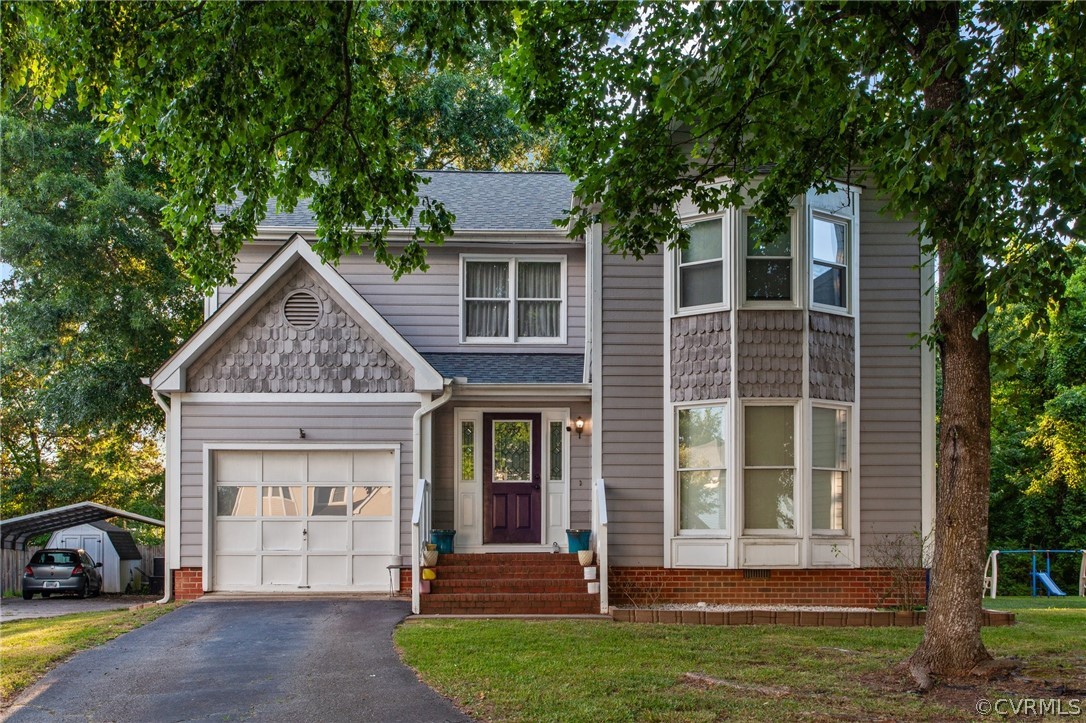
{"points": [[578, 427]]}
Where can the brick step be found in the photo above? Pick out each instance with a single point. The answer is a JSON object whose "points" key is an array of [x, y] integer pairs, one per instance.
{"points": [[509, 604], [510, 572], [518, 558], [508, 586]]}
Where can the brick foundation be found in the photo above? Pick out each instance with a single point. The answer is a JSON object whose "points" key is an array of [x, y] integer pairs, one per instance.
{"points": [[405, 583], [188, 583], [853, 587]]}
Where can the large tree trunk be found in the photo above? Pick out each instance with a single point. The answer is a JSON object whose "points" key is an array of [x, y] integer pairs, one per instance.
{"points": [[952, 644]]}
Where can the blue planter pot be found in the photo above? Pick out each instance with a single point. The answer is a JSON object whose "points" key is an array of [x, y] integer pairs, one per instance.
{"points": [[578, 539], [443, 539]]}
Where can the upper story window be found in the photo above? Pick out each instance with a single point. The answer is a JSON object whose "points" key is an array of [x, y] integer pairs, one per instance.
{"points": [[701, 266], [830, 242], [768, 264], [512, 299]]}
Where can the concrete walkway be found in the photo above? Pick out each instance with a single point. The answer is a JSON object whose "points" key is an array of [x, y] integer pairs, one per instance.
{"points": [[317, 659], [19, 609]]}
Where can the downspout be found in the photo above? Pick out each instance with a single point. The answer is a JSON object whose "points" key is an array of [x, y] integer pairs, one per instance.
{"points": [[416, 472], [167, 577]]}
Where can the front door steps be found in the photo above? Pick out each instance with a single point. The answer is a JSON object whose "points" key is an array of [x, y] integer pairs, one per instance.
{"points": [[509, 584]]}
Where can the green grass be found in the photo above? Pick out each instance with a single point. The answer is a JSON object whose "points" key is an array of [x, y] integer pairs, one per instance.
{"points": [[30, 648], [569, 670]]}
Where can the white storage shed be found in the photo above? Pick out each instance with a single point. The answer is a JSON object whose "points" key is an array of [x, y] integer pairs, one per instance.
{"points": [[108, 544]]}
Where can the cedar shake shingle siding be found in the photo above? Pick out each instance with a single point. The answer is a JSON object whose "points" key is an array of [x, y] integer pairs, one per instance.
{"points": [[264, 353], [833, 370], [701, 357], [770, 361]]}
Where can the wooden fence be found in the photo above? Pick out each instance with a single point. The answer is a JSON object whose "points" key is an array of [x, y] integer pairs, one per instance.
{"points": [[12, 563]]}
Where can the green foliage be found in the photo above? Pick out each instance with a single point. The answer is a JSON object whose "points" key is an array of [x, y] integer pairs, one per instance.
{"points": [[249, 102], [1039, 431], [93, 303]]}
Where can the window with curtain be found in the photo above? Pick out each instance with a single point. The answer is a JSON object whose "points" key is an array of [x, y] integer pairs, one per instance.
{"points": [[512, 299], [701, 469]]}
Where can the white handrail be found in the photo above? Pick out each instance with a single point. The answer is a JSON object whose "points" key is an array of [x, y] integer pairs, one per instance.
{"points": [[992, 582], [420, 534], [601, 540]]}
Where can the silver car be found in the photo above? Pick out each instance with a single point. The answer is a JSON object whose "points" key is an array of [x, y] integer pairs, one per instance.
{"points": [[61, 571]]}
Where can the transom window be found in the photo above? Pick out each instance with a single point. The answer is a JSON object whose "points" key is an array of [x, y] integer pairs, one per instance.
{"points": [[701, 266], [829, 262], [508, 300], [768, 263]]}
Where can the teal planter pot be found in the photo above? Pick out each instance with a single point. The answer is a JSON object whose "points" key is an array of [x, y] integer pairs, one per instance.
{"points": [[443, 539], [578, 539]]}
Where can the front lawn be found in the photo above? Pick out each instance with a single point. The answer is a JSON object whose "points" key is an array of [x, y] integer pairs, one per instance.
{"points": [[30, 648], [575, 670]]}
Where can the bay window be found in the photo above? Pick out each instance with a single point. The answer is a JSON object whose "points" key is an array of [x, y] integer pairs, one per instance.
{"points": [[829, 262], [829, 468], [769, 467], [508, 300], [702, 474], [701, 266], [767, 262]]}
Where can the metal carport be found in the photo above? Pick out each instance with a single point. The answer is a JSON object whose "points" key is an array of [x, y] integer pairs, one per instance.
{"points": [[15, 532]]}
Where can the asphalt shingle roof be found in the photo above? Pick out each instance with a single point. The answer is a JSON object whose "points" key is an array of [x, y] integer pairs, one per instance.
{"points": [[481, 201], [122, 541], [510, 368]]}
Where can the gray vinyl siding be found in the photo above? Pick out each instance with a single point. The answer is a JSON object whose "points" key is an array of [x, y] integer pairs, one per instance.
{"points": [[278, 424], [890, 389], [444, 460], [631, 413], [425, 306]]}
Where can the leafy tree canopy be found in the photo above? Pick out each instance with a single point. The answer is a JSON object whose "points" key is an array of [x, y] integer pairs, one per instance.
{"points": [[93, 303], [246, 102]]}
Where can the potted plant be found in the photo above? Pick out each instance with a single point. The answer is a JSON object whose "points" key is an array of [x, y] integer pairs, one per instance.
{"points": [[429, 555]]}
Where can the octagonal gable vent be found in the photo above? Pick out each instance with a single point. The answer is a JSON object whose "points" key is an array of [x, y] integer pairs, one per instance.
{"points": [[302, 310]]}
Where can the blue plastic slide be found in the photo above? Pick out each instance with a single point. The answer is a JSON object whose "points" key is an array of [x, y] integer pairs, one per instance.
{"points": [[1044, 579]]}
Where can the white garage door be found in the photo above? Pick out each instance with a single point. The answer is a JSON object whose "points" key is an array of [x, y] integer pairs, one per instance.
{"points": [[303, 520]]}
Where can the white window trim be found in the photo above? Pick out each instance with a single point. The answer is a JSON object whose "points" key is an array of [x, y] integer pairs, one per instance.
{"points": [[799, 453], [512, 338], [727, 234], [852, 234], [851, 490], [729, 474], [798, 231]]}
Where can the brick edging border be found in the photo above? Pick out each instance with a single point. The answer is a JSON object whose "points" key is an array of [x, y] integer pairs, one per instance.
{"points": [[796, 618]]}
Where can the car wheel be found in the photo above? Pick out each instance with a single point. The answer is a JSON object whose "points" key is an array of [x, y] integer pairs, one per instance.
{"points": [[27, 595], [82, 594]]}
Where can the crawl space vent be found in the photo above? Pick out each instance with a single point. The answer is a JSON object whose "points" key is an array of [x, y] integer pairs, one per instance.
{"points": [[755, 574], [302, 310]]}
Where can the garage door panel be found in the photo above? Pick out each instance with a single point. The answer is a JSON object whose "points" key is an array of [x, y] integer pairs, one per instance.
{"points": [[373, 536], [284, 466], [327, 570], [239, 570], [328, 535], [330, 467], [237, 467], [281, 569], [282, 535], [237, 536], [370, 570], [375, 466]]}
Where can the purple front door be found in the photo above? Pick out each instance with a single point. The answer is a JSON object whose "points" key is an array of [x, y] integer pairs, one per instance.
{"points": [[511, 477]]}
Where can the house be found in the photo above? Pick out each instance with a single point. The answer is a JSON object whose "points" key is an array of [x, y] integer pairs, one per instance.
{"points": [[745, 420]]}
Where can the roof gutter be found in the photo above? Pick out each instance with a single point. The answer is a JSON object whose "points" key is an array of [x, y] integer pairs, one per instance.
{"points": [[167, 578]]}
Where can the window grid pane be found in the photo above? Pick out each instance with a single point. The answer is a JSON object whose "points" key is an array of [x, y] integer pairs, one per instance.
{"points": [[830, 468], [769, 468]]}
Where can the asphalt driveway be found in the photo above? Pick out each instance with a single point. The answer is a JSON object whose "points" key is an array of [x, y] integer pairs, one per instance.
{"points": [[325, 659]]}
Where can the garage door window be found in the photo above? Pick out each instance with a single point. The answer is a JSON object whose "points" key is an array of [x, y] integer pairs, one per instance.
{"points": [[282, 501], [328, 501], [234, 501], [375, 501]]}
